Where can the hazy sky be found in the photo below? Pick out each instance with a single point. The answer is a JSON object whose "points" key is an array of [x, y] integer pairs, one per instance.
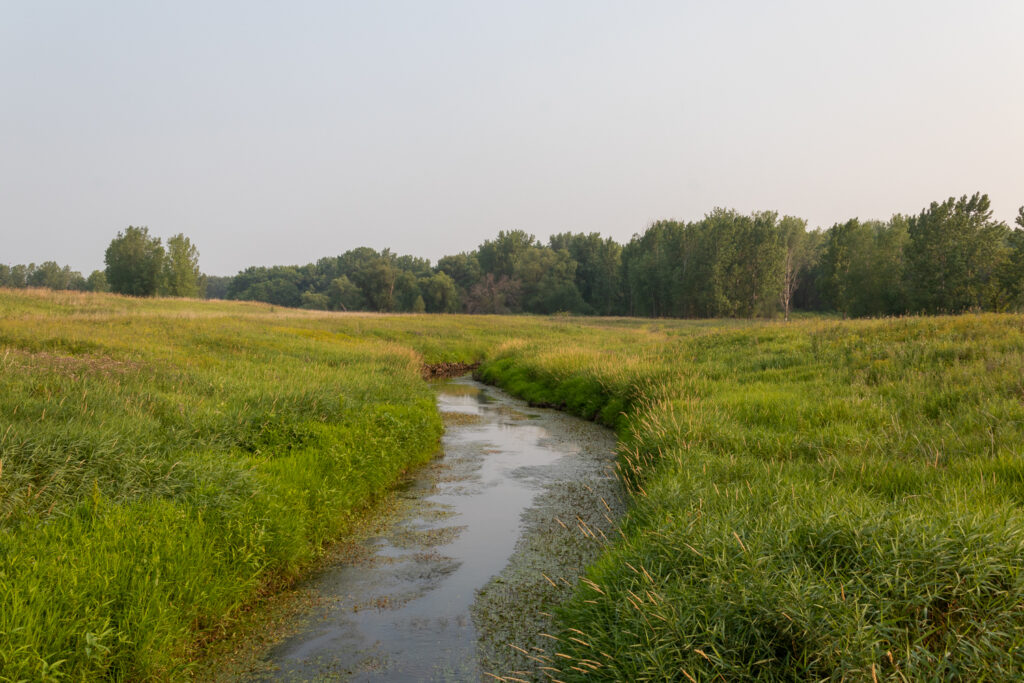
{"points": [[280, 132]]}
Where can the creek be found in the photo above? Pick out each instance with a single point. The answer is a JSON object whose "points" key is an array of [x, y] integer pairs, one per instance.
{"points": [[476, 548]]}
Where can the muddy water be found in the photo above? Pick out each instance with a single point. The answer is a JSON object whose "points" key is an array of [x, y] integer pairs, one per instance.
{"points": [[456, 575]]}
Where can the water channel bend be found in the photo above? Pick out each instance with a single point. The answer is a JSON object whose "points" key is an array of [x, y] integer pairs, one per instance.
{"points": [[421, 600]]}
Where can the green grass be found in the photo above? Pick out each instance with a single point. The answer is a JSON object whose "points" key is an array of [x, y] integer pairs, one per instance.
{"points": [[813, 500], [164, 463]]}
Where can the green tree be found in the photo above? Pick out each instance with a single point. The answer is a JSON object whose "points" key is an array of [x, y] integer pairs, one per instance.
{"points": [[501, 255], [598, 269], [19, 276], [845, 244], [377, 281], [181, 276], [955, 252], [315, 301], [134, 262], [50, 275], [888, 267], [807, 295], [463, 269], [216, 286], [654, 268], [344, 295], [280, 285], [1013, 270], [793, 232], [407, 289], [546, 280], [747, 256], [440, 293], [863, 267], [97, 281]]}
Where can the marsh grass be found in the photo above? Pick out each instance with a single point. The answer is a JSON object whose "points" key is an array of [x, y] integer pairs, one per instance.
{"points": [[164, 462], [813, 500]]}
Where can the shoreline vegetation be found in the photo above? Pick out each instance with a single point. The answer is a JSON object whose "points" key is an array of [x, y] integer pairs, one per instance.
{"points": [[817, 499]]}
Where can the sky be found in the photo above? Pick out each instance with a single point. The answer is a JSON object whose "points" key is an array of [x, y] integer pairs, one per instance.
{"points": [[282, 132]]}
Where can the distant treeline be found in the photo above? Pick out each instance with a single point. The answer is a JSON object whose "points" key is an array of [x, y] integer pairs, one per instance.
{"points": [[52, 276], [949, 258], [138, 264]]}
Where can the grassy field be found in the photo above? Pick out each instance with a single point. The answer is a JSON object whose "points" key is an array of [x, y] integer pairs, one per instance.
{"points": [[163, 462], [821, 500], [812, 500]]}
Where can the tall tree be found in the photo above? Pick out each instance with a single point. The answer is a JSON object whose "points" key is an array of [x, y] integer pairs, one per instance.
{"points": [[793, 232], [216, 286], [50, 275], [845, 243], [1013, 271], [344, 295], [407, 289], [500, 255], [19, 275], [464, 271], [955, 251], [97, 281], [746, 272], [649, 266], [280, 285], [807, 295], [862, 269], [440, 293], [598, 268], [134, 262], [377, 280], [546, 281], [181, 275], [315, 301]]}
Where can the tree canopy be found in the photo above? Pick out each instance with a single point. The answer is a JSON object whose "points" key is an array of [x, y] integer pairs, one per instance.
{"points": [[950, 257], [181, 276], [134, 262]]}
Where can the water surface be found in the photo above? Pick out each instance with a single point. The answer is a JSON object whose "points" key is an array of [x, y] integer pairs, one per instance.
{"points": [[402, 609]]}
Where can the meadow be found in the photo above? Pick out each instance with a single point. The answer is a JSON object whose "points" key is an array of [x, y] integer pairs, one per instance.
{"points": [[165, 462], [815, 501], [809, 500]]}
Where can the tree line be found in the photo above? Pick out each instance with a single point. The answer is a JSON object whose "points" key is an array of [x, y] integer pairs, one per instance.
{"points": [[137, 264], [951, 257]]}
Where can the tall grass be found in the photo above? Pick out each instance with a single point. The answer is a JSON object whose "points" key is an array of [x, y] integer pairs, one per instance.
{"points": [[812, 501], [163, 462]]}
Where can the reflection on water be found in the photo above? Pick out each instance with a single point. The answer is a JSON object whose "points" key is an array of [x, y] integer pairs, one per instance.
{"points": [[403, 613]]}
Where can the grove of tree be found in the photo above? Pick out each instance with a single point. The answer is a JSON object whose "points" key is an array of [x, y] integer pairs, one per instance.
{"points": [[950, 257]]}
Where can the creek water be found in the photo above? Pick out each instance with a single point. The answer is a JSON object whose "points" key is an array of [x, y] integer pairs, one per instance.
{"points": [[402, 607]]}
